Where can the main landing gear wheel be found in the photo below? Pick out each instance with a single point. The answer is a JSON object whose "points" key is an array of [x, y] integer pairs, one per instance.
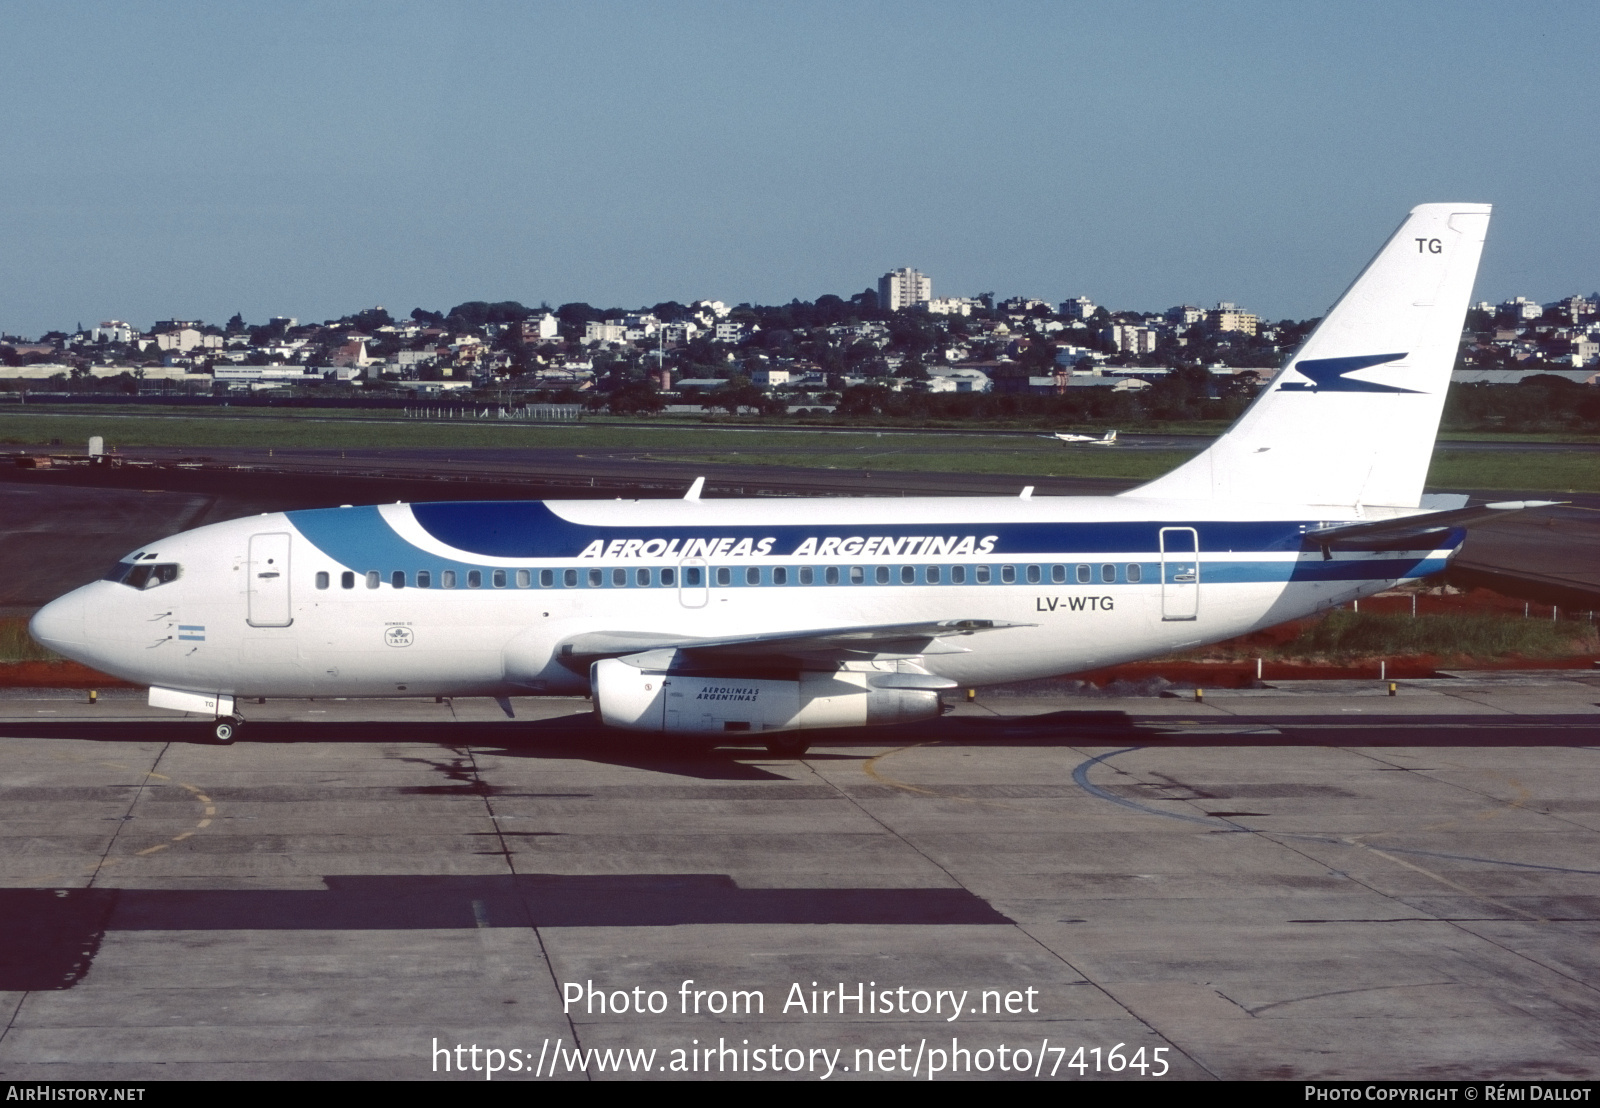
{"points": [[226, 729], [788, 746]]}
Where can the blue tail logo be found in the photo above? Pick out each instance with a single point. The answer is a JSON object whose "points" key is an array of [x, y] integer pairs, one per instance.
{"points": [[1329, 375]]}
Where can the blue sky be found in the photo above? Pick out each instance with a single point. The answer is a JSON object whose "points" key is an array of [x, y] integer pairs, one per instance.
{"points": [[194, 160]]}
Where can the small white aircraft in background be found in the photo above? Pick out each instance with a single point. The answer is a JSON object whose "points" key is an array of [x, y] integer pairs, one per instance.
{"points": [[745, 618], [1108, 439]]}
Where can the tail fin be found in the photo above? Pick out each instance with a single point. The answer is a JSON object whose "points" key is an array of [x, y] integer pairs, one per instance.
{"points": [[1351, 418]]}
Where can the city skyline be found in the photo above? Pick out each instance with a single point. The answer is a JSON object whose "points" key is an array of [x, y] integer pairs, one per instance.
{"points": [[182, 160]]}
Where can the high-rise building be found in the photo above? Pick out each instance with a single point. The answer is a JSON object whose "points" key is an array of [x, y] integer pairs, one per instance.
{"points": [[1079, 307], [903, 288], [1227, 316], [1131, 339]]}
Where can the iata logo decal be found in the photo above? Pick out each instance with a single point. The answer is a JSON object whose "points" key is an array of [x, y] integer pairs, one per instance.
{"points": [[399, 636], [1331, 375]]}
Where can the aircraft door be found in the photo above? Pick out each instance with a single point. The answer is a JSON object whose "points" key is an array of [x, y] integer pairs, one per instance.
{"points": [[269, 581], [692, 583], [1180, 573]]}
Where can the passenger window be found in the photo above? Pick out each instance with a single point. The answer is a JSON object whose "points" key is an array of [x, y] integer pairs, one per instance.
{"points": [[1008, 575], [498, 578], [933, 575], [619, 578], [1058, 575], [881, 575], [524, 578], [372, 579], [398, 578], [808, 576], [547, 578], [641, 578], [474, 579], [347, 580], [447, 579], [569, 578], [724, 575], [752, 576], [858, 576], [1033, 575], [908, 575], [958, 575], [1083, 575], [322, 578], [1108, 573], [596, 578], [981, 574], [669, 576], [780, 575], [1134, 573], [424, 579], [831, 574], [692, 577]]}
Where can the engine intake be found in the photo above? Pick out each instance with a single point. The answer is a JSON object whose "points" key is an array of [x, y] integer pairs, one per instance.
{"points": [[699, 704]]}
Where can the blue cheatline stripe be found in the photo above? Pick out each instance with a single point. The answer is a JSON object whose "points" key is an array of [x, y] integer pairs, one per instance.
{"points": [[371, 545], [518, 529], [360, 539], [738, 575]]}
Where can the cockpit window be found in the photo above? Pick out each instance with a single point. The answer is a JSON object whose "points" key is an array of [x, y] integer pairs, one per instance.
{"points": [[143, 576]]}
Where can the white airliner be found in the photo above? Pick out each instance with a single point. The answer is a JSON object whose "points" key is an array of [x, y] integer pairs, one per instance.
{"points": [[1108, 439], [732, 617]]}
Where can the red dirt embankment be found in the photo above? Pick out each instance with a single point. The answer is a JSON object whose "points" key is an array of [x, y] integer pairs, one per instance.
{"points": [[55, 675]]}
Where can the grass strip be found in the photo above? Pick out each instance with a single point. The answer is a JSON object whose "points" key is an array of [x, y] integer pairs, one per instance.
{"points": [[16, 645], [1344, 635], [1546, 471], [1550, 471]]}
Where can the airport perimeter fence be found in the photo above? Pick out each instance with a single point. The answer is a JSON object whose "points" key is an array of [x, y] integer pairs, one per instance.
{"points": [[530, 413]]}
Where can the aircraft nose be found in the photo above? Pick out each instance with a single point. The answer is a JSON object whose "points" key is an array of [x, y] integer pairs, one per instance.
{"points": [[60, 624]]}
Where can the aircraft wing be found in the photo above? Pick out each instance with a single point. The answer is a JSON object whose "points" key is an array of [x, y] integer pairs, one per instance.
{"points": [[855, 640], [1417, 532]]}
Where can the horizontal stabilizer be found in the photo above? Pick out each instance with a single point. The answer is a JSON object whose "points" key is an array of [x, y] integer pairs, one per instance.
{"points": [[601, 644], [1420, 530]]}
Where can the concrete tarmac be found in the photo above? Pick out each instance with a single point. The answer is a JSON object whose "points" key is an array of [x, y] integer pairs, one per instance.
{"points": [[1313, 881]]}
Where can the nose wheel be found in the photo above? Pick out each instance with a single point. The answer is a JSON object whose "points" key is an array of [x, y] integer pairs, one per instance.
{"points": [[226, 729]]}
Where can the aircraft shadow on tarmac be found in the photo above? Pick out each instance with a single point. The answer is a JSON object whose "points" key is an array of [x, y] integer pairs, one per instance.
{"points": [[580, 738], [53, 935]]}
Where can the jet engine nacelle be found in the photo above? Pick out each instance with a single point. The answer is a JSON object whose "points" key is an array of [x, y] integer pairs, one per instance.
{"points": [[640, 700]]}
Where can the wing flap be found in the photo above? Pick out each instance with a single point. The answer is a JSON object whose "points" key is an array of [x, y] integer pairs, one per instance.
{"points": [[865, 639]]}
